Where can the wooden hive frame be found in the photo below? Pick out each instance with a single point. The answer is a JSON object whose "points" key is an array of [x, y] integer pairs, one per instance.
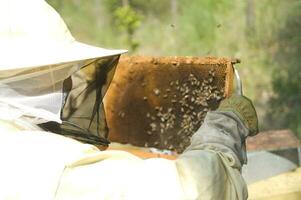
{"points": [[145, 89]]}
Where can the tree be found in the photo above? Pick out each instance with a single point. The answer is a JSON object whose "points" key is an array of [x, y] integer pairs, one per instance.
{"points": [[286, 103], [250, 17], [174, 10], [128, 20]]}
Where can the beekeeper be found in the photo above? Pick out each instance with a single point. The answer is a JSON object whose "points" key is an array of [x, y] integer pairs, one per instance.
{"points": [[37, 54]]}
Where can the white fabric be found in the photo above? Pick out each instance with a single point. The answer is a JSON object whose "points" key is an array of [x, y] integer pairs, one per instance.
{"points": [[32, 34], [42, 165]]}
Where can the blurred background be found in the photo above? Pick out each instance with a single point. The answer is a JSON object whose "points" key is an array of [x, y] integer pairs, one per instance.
{"points": [[264, 34]]}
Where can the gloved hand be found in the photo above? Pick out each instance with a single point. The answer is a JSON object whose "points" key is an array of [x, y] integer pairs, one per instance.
{"points": [[244, 109]]}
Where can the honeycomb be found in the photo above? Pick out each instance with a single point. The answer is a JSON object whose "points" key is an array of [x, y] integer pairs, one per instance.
{"points": [[161, 101]]}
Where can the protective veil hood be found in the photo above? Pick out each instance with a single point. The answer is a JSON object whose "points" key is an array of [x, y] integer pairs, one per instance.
{"points": [[38, 53]]}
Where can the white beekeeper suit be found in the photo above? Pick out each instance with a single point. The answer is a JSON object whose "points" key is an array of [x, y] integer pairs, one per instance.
{"points": [[37, 54]]}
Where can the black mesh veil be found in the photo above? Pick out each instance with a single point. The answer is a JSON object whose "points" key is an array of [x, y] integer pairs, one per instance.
{"points": [[83, 113]]}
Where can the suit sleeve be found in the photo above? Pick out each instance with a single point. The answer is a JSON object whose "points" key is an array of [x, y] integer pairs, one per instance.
{"points": [[208, 169], [43, 165]]}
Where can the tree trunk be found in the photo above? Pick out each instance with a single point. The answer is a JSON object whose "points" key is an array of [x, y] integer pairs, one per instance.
{"points": [[125, 3], [250, 17], [97, 9], [174, 10]]}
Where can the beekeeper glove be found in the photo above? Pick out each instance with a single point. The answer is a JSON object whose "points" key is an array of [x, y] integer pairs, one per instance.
{"points": [[226, 129], [244, 109]]}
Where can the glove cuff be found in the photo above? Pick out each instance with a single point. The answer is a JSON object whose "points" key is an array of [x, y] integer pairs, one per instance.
{"points": [[244, 109]]}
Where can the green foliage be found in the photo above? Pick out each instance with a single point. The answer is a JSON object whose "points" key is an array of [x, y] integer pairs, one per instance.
{"points": [[200, 22], [286, 103], [269, 50], [153, 8], [112, 5], [128, 20]]}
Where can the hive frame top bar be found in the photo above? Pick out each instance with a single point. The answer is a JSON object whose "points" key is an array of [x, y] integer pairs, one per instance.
{"points": [[182, 59]]}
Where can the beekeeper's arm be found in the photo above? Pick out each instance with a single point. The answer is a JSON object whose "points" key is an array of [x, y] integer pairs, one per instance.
{"points": [[42, 165], [208, 169]]}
